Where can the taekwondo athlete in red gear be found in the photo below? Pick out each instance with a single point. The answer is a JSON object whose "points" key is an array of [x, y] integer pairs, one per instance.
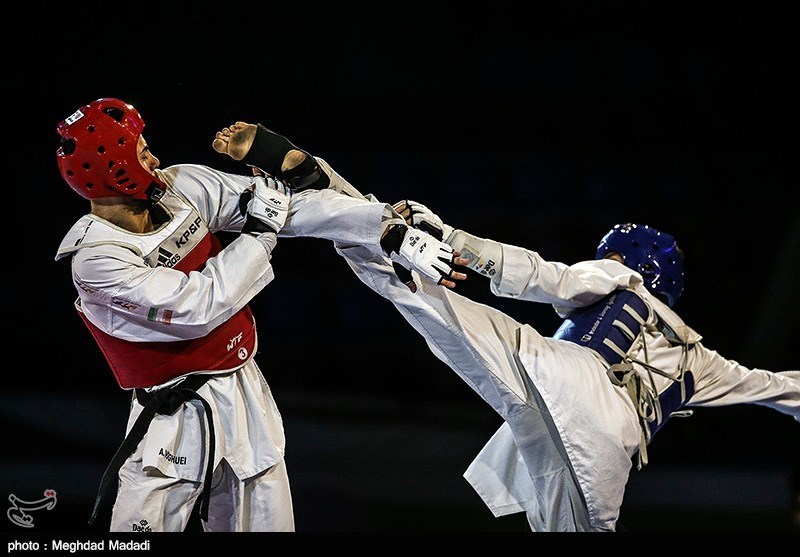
{"points": [[168, 307]]}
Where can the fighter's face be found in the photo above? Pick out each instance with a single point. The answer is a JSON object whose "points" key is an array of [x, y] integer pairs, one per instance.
{"points": [[615, 256], [146, 158]]}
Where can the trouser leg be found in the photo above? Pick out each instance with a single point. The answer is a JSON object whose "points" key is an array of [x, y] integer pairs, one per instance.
{"points": [[262, 503], [147, 500]]}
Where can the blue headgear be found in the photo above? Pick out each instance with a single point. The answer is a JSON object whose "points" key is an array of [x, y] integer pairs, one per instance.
{"points": [[653, 254]]}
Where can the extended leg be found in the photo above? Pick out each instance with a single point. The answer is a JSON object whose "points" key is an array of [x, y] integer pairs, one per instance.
{"points": [[263, 149], [481, 345]]}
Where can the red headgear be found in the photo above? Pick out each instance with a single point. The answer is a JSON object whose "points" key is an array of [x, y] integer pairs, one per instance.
{"points": [[98, 154]]}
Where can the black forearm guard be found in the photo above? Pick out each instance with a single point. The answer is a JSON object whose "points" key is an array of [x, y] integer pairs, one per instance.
{"points": [[268, 151]]}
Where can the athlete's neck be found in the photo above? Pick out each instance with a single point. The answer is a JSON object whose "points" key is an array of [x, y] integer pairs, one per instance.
{"points": [[130, 214]]}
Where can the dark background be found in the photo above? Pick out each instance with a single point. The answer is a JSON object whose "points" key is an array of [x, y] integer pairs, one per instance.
{"points": [[540, 127]]}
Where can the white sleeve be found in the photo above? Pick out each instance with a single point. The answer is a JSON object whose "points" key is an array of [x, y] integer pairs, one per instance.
{"points": [[119, 292], [527, 276], [327, 214], [213, 193], [723, 382]]}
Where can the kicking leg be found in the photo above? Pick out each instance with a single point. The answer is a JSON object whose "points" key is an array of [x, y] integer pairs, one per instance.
{"points": [[261, 148], [482, 345], [236, 141], [269, 152]]}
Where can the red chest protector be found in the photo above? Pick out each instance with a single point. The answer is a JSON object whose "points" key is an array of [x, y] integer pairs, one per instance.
{"points": [[226, 348]]}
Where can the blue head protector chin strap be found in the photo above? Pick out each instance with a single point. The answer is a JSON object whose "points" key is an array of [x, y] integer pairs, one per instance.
{"points": [[653, 254]]}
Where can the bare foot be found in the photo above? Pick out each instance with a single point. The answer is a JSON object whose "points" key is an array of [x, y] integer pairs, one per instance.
{"points": [[235, 140]]}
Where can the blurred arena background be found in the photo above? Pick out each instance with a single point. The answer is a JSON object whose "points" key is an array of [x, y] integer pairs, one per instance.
{"points": [[541, 128]]}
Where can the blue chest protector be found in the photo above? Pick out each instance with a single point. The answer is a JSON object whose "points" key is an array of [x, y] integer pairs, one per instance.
{"points": [[610, 327]]}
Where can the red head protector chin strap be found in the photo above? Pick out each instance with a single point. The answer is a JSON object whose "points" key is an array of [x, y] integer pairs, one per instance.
{"points": [[98, 153]]}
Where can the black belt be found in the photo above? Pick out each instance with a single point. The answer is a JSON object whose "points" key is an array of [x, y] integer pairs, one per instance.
{"points": [[165, 402]]}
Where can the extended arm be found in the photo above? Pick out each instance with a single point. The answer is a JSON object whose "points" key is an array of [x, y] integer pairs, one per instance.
{"points": [[133, 301], [722, 382], [516, 272]]}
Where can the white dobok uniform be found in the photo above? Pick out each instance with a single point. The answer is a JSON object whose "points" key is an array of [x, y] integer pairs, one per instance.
{"points": [[564, 452], [173, 303]]}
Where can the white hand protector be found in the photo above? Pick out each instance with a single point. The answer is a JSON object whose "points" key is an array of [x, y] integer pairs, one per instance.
{"points": [[267, 204], [419, 216], [425, 254]]}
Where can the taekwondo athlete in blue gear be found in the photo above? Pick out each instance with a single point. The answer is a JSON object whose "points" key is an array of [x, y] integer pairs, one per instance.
{"points": [[581, 405], [571, 428]]}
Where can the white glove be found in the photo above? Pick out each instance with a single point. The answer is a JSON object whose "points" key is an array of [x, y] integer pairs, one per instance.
{"points": [[419, 216], [425, 254], [266, 206]]}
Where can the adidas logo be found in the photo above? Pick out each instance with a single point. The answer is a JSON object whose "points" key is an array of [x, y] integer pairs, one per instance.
{"points": [[166, 258]]}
